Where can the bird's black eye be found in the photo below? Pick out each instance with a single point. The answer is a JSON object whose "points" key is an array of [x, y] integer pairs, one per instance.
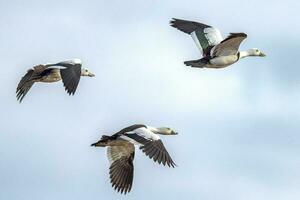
{"points": [[86, 70], [256, 50]]}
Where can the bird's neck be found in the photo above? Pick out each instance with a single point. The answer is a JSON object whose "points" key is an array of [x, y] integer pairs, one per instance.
{"points": [[244, 54], [153, 129], [157, 130]]}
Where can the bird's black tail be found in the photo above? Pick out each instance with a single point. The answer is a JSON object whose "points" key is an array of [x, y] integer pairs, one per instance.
{"points": [[103, 142], [197, 63]]}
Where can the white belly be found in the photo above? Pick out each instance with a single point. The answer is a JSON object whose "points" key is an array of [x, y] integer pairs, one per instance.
{"points": [[223, 61]]}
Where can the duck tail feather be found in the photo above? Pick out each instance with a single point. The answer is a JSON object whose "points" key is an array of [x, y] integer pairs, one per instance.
{"points": [[200, 63]]}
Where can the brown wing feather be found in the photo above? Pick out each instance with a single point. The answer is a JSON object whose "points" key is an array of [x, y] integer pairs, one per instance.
{"points": [[38, 69], [121, 174], [230, 45], [25, 84], [156, 150], [121, 168], [28, 80]]}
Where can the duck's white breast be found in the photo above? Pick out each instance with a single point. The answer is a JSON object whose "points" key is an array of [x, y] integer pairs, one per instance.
{"points": [[223, 61]]}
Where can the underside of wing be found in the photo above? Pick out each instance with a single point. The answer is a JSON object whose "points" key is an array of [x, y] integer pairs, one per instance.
{"points": [[70, 78], [28, 80], [121, 168], [203, 35], [150, 144], [157, 151], [229, 46], [25, 84]]}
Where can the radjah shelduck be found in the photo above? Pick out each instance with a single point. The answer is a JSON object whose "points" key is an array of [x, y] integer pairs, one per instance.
{"points": [[216, 51], [121, 148], [68, 71]]}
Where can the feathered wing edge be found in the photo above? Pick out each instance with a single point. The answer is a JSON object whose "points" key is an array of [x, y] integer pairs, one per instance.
{"points": [[187, 26], [229, 46], [151, 145], [121, 168], [70, 78], [156, 150], [24, 85]]}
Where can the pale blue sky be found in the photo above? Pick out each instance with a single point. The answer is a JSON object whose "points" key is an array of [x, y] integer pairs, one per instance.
{"points": [[238, 127]]}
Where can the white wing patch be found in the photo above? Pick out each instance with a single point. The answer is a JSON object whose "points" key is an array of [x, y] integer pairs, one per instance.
{"points": [[213, 36], [139, 132], [212, 51], [194, 36], [128, 139], [73, 61], [147, 134]]}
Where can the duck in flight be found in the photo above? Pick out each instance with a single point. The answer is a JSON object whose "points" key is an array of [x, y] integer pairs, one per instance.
{"points": [[120, 152], [69, 72], [216, 51]]}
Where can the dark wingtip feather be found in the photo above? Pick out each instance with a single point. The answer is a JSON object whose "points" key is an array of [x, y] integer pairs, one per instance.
{"points": [[187, 26], [70, 78], [121, 175], [155, 150], [238, 34], [24, 85], [234, 35], [176, 20], [173, 21]]}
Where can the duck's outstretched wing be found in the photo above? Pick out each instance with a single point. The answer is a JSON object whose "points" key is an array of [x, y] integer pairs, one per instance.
{"points": [[150, 144], [71, 77], [121, 166], [229, 46], [156, 150], [70, 74], [204, 36], [24, 85], [28, 80]]}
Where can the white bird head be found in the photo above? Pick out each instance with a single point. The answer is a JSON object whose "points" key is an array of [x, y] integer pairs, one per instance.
{"points": [[86, 72], [166, 131], [255, 52]]}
